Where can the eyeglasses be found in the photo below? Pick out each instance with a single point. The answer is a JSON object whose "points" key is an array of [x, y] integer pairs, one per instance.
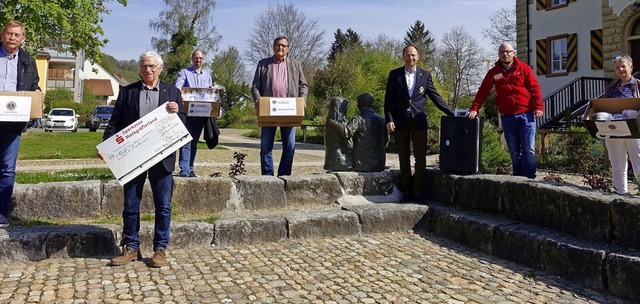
{"points": [[506, 52], [284, 46], [148, 66]]}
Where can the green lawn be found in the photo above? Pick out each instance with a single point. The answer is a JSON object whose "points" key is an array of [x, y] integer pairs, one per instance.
{"points": [[63, 145], [59, 145], [64, 176]]}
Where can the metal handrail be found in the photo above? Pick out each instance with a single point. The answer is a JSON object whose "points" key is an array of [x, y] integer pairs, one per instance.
{"points": [[562, 106]]}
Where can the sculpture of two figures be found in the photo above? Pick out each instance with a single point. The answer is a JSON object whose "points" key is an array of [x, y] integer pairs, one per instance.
{"points": [[357, 144]]}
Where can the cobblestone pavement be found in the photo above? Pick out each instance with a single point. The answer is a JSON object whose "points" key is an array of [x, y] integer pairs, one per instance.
{"points": [[383, 268]]}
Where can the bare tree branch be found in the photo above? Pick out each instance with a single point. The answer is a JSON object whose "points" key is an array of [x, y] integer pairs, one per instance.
{"points": [[459, 63], [502, 27], [305, 36]]}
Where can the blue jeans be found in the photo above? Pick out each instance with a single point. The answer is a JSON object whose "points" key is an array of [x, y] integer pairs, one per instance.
{"points": [[268, 135], [161, 187], [9, 144], [520, 133], [188, 151]]}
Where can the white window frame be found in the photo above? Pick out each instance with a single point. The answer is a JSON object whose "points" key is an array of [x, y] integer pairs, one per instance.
{"points": [[558, 55], [557, 2]]}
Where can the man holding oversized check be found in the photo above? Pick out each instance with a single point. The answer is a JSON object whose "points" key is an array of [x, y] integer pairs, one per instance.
{"points": [[145, 130]]}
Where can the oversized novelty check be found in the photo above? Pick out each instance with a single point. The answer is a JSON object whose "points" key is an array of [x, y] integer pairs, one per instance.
{"points": [[143, 144]]}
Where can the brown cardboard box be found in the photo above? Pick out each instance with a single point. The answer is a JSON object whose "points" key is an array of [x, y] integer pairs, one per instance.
{"points": [[271, 108], [613, 106], [37, 100], [198, 100]]}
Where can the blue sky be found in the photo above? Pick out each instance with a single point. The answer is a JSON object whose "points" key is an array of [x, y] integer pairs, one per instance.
{"points": [[127, 28]]}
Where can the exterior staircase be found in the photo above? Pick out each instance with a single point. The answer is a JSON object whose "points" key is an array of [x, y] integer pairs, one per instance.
{"points": [[564, 107]]}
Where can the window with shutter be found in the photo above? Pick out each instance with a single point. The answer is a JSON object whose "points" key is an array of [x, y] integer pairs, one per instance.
{"points": [[558, 55], [552, 4]]}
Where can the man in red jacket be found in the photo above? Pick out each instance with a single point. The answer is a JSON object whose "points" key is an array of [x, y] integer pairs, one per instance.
{"points": [[519, 102]]}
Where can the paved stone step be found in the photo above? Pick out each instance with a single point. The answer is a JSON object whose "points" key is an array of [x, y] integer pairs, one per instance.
{"points": [[584, 235], [596, 265]]}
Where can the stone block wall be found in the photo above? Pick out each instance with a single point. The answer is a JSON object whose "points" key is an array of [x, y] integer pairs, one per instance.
{"points": [[580, 211], [587, 236]]}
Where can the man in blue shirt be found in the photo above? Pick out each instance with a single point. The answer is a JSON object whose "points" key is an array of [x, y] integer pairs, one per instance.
{"points": [[193, 77], [18, 72]]}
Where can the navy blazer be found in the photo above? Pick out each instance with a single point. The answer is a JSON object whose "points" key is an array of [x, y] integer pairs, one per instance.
{"points": [[397, 99], [127, 111]]}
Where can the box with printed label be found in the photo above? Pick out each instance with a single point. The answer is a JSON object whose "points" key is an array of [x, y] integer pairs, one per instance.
{"points": [[280, 111], [201, 102], [609, 120], [36, 101]]}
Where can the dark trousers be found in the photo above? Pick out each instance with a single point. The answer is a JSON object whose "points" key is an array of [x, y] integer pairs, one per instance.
{"points": [[161, 187], [404, 138]]}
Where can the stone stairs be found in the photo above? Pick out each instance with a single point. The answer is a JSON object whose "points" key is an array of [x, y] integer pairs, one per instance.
{"points": [[587, 236]]}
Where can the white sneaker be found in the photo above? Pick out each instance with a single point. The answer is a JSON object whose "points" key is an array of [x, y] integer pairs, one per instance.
{"points": [[3, 221]]}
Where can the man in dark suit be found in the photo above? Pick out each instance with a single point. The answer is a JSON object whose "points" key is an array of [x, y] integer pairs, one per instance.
{"points": [[406, 118], [19, 73], [135, 101]]}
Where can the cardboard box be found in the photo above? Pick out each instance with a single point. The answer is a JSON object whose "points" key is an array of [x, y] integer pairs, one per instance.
{"points": [[201, 102], [281, 111], [625, 128], [37, 100]]}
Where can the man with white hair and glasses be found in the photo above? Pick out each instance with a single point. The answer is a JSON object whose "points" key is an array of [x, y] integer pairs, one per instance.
{"points": [[135, 101]]}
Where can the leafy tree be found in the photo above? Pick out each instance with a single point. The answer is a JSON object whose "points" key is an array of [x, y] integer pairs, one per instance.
{"points": [[58, 98], [489, 110], [343, 41], [183, 26], [70, 25], [502, 27], [459, 64], [227, 67], [305, 36], [362, 69], [229, 71], [420, 37], [494, 159], [63, 98], [183, 43]]}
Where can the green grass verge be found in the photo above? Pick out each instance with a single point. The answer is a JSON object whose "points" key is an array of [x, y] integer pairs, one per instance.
{"points": [[59, 145], [64, 176], [63, 145]]}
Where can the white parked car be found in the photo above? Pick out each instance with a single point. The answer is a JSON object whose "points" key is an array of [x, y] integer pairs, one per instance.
{"points": [[63, 119]]}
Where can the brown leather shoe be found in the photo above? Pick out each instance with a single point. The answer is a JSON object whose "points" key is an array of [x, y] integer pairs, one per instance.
{"points": [[127, 256], [159, 258]]}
